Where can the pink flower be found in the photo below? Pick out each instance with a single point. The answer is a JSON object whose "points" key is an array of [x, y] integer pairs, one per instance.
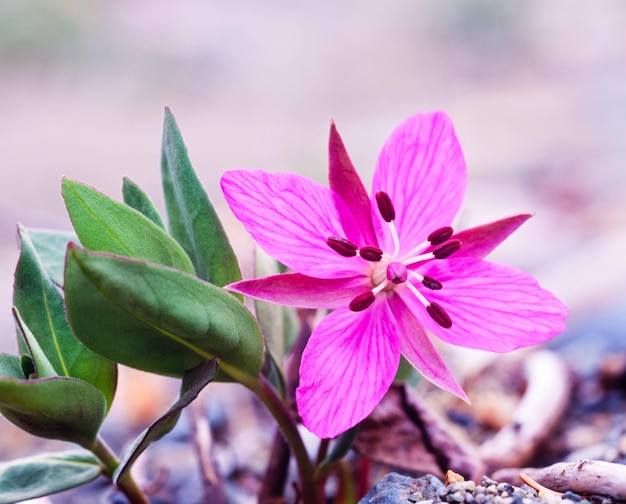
{"points": [[390, 266]]}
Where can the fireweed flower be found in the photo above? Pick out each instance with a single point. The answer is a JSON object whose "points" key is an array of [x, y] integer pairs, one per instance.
{"points": [[390, 266]]}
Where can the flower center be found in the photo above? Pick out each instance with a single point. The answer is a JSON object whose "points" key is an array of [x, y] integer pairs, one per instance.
{"points": [[390, 271]]}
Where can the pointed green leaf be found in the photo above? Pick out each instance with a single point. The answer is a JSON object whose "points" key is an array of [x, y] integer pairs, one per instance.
{"points": [[341, 446], [105, 225], [54, 408], [191, 217], [47, 473], [194, 381], [50, 249], [42, 367], [53, 347], [156, 318], [136, 198]]}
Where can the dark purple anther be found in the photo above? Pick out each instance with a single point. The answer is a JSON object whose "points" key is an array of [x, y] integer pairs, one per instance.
{"points": [[397, 273], [385, 206], [373, 254], [431, 283], [439, 315], [362, 301], [342, 246], [440, 235], [447, 250]]}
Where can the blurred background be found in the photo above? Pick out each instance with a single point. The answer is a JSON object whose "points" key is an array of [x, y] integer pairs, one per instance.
{"points": [[537, 91]]}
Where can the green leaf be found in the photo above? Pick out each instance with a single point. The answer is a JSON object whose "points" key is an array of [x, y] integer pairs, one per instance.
{"points": [[136, 198], [11, 366], [53, 347], [54, 408], [105, 225], [406, 373], [194, 381], [341, 446], [50, 249], [47, 473], [41, 364], [155, 318], [191, 217], [270, 315]]}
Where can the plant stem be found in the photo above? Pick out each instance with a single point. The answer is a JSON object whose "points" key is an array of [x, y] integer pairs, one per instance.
{"points": [[312, 493], [312, 490], [127, 484], [279, 411]]}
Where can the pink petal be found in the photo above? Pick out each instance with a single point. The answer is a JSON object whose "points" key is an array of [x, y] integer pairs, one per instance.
{"points": [[492, 307], [294, 289], [290, 217], [347, 367], [420, 351], [345, 181], [481, 240], [422, 169]]}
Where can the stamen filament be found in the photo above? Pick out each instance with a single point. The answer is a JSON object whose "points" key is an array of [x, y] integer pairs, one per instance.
{"points": [[406, 257], [419, 258], [418, 294], [396, 239], [380, 287], [437, 313], [440, 253]]}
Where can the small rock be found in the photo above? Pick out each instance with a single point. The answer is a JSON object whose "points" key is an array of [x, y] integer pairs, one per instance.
{"points": [[528, 490], [456, 497], [395, 488], [487, 481], [505, 488], [572, 496]]}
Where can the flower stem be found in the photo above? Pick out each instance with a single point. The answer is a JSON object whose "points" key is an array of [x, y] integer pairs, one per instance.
{"points": [[126, 484], [266, 393], [312, 490]]}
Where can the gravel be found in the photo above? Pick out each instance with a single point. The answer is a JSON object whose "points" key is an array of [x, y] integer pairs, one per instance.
{"points": [[395, 488]]}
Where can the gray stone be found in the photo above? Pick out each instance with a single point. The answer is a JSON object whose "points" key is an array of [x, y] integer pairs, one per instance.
{"points": [[395, 488]]}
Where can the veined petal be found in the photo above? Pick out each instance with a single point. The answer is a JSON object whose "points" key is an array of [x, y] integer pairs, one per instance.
{"points": [[481, 240], [347, 367], [294, 289], [420, 351], [291, 217], [346, 182], [421, 167], [492, 307]]}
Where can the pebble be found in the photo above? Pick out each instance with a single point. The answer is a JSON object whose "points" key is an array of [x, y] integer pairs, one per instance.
{"points": [[398, 489]]}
